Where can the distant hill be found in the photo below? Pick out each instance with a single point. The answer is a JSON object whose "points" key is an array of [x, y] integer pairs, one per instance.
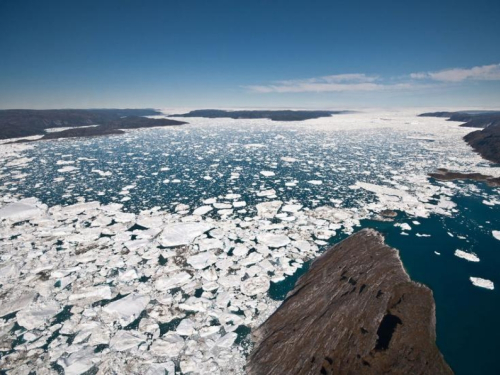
{"points": [[487, 141], [279, 115], [16, 123], [472, 119]]}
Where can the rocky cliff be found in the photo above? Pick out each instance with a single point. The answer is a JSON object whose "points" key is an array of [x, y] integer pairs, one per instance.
{"points": [[355, 311]]}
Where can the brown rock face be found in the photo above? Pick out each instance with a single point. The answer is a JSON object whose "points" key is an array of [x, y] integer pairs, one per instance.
{"points": [[355, 311], [446, 175]]}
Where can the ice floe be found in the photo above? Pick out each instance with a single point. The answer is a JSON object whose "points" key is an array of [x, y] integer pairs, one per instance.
{"points": [[482, 283], [465, 255]]}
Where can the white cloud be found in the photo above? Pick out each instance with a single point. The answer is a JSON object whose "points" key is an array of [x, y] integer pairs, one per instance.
{"points": [[333, 83], [480, 73], [360, 82]]}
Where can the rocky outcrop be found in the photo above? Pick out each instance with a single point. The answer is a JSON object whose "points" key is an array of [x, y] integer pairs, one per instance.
{"points": [[445, 175], [280, 115], [16, 123], [485, 142], [355, 311]]}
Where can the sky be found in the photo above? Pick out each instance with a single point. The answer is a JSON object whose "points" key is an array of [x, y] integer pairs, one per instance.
{"points": [[236, 54]]}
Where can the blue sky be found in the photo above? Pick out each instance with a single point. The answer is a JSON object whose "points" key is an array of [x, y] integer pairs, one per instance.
{"points": [[212, 53]]}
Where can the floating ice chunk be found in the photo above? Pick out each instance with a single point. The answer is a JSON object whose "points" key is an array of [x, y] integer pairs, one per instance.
{"points": [[210, 201], [240, 250], [273, 240], [183, 233], [483, 283], [202, 210], [291, 208], [195, 304], [91, 294], [127, 309], [315, 182], [239, 204], [288, 159], [185, 327], [170, 345], [254, 145], [302, 245], [126, 340], [266, 193], [67, 169], [496, 234], [403, 226], [268, 210], [21, 210], [468, 256], [209, 331], [181, 207], [8, 271], [227, 340], [160, 368], [223, 206], [37, 315], [267, 173], [202, 260], [15, 300], [172, 281], [255, 285], [102, 173], [78, 362]]}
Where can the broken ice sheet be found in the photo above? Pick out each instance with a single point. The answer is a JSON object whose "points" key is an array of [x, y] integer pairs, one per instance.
{"points": [[178, 289]]}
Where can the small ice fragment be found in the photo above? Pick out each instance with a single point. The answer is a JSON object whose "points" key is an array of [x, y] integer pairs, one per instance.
{"points": [[465, 255], [267, 173], [482, 283]]}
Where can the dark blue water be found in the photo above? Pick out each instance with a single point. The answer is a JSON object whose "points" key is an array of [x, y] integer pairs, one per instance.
{"points": [[467, 316]]}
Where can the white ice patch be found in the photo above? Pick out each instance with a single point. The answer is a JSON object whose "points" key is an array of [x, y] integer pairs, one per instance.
{"points": [[267, 173], [483, 283], [183, 233], [273, 240], [127, 309], [465, 255]]}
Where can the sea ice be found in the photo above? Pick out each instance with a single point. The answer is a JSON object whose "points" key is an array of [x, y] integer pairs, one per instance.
{"points": [[483, 283], [182, 233], [268, 210], [202, 260], [202, 210], [127, 309], [465, 255], [255, 285], [273, 240]]}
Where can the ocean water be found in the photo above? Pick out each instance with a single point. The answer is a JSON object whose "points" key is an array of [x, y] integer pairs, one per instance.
{"points": [[467, 329], [312, 164]]}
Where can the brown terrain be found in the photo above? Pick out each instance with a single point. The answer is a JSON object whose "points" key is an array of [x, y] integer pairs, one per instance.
{"points": [[444, 174], [355, 311]]}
